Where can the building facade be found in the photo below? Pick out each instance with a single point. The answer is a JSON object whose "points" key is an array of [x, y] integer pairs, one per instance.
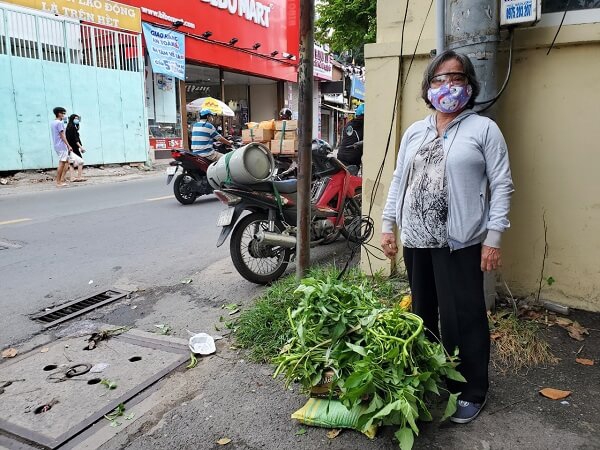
{"points": [[548, 115], [240, 52], [50, 57]]}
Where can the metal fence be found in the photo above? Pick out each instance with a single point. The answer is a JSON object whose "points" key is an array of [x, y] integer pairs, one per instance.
{"points": [[28, 35], [97, 73]]}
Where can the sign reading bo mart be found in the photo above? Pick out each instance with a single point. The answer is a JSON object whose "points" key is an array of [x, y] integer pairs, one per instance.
{"points": [[252, 10]]}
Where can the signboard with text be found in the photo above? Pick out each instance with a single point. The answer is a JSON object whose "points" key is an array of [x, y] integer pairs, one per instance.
{"points": [[323, 68], [99, 12], [166, 49], [358, 88], [270, 25], [166, 143], [520, 12]]}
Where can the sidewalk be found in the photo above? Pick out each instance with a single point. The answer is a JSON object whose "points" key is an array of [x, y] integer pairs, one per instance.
{"points": [[42, 180], [226, 396]]}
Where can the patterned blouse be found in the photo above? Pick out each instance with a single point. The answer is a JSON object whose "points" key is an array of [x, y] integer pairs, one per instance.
{"points": [[425, 207]]}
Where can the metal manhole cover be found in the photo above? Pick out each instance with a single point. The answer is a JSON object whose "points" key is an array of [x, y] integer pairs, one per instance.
{"points": [[78, 307], [48, 413]]}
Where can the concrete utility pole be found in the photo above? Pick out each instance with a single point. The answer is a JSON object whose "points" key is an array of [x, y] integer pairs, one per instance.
{"points": [[305, 116], [473, 28]]}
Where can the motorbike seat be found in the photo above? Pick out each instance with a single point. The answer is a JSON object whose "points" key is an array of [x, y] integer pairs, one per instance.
{"points": [[285, 186], [353, 169]]}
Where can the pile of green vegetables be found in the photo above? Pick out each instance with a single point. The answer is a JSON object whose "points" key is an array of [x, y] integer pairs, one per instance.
{"points": [[379, 355]]}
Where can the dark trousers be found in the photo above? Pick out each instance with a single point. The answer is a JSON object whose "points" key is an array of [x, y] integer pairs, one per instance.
{"points": [[452, 282]]}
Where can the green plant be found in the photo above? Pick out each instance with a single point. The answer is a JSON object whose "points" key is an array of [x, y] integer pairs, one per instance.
{"points": [[376, 352], [109, 384], [346, 25], [115, 414], [264, 328]]}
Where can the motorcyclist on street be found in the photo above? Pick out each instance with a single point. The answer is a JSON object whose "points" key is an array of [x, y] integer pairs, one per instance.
{"points": [[204, 134], [351, 149]]}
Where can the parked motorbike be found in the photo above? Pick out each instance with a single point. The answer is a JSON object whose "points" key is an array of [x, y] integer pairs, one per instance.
{"points": [[264, 242]]}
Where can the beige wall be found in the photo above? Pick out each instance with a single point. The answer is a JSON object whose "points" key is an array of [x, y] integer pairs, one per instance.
{"points": [[549, 114], [263, 102]]}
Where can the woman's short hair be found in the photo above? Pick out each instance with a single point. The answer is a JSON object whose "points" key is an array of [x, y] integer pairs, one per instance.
{"points": [[468, 69]]}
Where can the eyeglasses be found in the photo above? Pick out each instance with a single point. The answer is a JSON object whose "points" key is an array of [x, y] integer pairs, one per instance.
{"points": [[453, 79]]}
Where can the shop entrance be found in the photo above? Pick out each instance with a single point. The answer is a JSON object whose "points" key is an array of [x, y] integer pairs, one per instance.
{"points": [[251, 98]]}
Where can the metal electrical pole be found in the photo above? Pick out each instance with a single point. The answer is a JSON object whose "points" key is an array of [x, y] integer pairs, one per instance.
{"points": [[305, 117], [473, 28]]}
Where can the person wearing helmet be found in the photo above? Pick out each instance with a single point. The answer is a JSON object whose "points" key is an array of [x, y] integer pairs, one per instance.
{"points": [[204, 134], [285, 114], [350, 150]]}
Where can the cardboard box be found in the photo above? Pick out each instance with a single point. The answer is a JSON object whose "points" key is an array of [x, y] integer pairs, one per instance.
{"points": [[257, 135], [285, 135], [285, 147], [289, 125]]}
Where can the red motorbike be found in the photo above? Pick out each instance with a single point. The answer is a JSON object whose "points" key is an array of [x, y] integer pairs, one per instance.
{"points": [[191, 182], [264, 242]]}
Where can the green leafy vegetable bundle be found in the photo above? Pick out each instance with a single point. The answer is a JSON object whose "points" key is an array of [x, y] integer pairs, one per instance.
{"points": [[379, 355]]}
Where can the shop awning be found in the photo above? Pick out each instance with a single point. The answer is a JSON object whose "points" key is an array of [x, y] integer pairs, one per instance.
{"points": [[345, 111]]}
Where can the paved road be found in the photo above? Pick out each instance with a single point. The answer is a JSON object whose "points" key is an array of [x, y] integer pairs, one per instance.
{"points": [[131, 232]]}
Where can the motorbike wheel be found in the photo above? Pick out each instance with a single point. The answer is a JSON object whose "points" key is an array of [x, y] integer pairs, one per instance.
{"points": [[350, 215], [184, 190], [255, 262]]}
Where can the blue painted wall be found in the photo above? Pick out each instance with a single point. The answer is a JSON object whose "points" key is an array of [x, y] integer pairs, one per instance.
{"points": [[111, 103]]}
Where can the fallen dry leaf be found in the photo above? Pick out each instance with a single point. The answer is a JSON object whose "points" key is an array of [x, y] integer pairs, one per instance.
{"points": [[332, 434], [224, 441], [576, 335], [533, 315], [554, 394], [10, 353], [44, 350], [495, 336], [563, 322], [585, 361], [577, 331]]}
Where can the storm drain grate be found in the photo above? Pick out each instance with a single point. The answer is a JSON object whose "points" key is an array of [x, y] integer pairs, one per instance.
{"points": [[78, 307]]}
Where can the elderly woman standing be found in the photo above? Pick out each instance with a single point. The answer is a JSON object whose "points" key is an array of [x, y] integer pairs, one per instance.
{"points": [[450, 197]]}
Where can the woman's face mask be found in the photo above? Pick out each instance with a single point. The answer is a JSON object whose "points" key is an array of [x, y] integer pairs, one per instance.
{"points": [[76, 121], [448, 98]]}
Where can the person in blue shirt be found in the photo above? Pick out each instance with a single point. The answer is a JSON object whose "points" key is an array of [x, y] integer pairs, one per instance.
{"points": [[204, 134]]}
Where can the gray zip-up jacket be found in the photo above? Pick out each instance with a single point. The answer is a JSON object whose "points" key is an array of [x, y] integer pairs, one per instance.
{"points": [[478, 176]]}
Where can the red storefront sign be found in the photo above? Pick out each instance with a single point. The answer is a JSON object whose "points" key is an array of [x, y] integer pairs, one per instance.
{"points": [[274, 24], [166, 143]]}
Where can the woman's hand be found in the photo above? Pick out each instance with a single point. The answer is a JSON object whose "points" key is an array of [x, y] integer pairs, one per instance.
{"points": [[491, 258], [388, 244]]}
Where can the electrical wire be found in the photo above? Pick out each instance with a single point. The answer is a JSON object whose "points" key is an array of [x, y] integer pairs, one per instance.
{"points": [[416, 46], [559, 27], [495, 98], [394, 109], [400, 84]]}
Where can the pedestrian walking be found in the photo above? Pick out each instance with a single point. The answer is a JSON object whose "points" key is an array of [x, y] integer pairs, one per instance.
{"points": [[61, 146], [450, 197], [76, 156]]}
